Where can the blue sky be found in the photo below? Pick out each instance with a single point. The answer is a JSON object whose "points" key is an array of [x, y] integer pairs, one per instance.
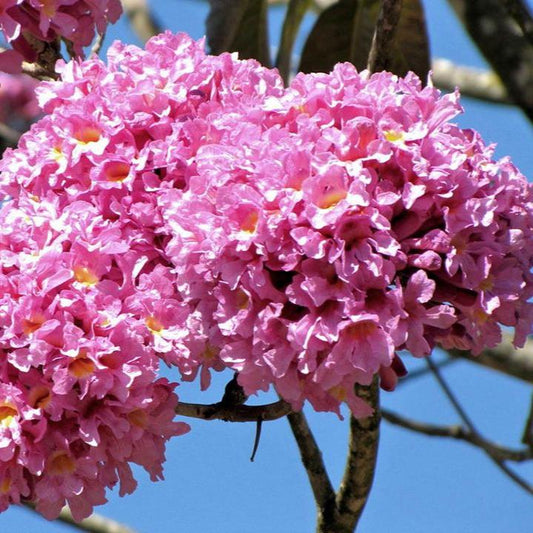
{"points": [[422, 484]]}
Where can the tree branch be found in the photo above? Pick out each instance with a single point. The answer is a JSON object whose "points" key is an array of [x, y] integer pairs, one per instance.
{"points": [[237, 413], [476, 83], [141, 19], [470, 425], [504, 358], [93, 524], [380, 52], [316, 471], [459, 433], [361, 462]]}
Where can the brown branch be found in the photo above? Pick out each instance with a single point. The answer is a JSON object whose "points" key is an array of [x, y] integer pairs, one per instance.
{"points": [[141, 19], [93, 524], [504, 358], [361, 462], [459, 433], [316, 471], [236, 413], [380, 53], [470, 425], [503, 44], [519, 11]]}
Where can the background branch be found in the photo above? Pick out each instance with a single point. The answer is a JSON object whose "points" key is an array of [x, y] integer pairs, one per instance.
{"points": [[473, 82], [93, 524], [459, 433], [469, 424], [504, 358], [141, 19]]}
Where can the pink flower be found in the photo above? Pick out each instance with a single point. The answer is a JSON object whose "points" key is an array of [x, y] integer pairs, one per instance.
{"points": [[187, 208], [74, 21]]}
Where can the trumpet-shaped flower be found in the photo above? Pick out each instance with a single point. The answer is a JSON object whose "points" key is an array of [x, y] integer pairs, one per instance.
{"points": [[187, 208]]}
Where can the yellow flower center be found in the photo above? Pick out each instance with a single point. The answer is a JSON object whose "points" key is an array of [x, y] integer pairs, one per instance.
{"points": [[394, 136], [84, 275], [81, 367], [138, 418], [60, 463], [154, 325], [8, 413], [40, 397]]}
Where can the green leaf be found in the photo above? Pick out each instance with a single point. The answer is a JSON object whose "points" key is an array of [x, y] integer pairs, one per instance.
{"points": [[344, 32], [239, 26]]}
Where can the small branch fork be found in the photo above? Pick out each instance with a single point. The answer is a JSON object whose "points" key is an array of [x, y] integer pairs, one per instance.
{"points": [[491, 451], [340, 511]]}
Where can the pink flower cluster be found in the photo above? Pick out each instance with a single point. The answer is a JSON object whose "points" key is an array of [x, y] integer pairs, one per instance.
{"points": [[189, 208], [24, 21]]}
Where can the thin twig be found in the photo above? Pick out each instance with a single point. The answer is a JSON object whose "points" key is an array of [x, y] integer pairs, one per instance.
{"points": [[257, 439], [93, 524], [380, 52], [238, 413], [98, 43], [421, 372], [361, 461], [459, 433], [315, 468], [470, 425]]}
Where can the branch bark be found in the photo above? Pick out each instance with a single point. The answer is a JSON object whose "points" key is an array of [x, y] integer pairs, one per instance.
{"points": [[236, 413], [361, 462]]}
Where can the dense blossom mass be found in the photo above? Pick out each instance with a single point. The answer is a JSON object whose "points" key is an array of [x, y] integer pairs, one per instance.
{"points": [[178, 206], [24, 23]]}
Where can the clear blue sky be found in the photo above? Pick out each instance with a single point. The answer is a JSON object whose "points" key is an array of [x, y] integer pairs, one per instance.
{"points": [[422, 485]]}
